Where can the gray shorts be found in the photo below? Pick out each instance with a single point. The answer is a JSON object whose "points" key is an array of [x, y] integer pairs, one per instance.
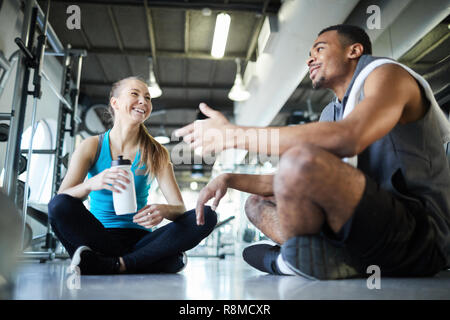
{"points": [[394, 234]]}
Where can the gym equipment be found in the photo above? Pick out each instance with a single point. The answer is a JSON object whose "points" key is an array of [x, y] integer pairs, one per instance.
{"points": [[7, 65], [30, 56], [19, 196], [4, 132], [22, 164], [99, 111], [65, 161], [218, 245], [9, 245]]}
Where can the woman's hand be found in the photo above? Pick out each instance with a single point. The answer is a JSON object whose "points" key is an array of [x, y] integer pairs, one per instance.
{"points": [[151, 215], [113, 179]]}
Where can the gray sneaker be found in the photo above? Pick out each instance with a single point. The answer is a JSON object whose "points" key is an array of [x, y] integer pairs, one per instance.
{"points": [[315, 258]]}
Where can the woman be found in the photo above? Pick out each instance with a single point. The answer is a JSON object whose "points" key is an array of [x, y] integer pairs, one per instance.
{"points": [[101, 242]]}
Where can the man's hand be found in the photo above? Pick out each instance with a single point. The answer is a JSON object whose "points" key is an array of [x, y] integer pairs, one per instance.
{"points": [[208, 134], [216, 189]]}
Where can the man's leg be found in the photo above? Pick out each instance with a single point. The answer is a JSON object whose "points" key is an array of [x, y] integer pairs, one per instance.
{"points": [[317, 191], [314, 186], [262, 212], [311, 185], [306, 175]]}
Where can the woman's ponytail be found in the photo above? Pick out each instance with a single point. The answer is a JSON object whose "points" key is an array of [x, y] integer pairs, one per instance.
{"points": [[154, 155]]}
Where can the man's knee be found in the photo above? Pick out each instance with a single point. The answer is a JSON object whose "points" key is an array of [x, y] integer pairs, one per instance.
{"points": [[252, 205], [296, 167]]}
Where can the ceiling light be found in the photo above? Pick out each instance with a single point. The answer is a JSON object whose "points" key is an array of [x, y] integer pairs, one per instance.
{"points": [[162, 139], [197, 171], [162, 136], [194, 185], [220, 35], [154, 89], [206, 12], [238, 91]]}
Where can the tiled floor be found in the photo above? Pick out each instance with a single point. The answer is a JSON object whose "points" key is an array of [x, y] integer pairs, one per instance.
{"points": [[213, 279]]}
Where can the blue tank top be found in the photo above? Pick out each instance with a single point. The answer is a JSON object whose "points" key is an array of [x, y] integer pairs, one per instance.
{"points": [[101, 201]]}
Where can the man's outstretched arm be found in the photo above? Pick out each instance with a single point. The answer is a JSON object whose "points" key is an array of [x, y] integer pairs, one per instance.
{"points": [[391, 96]]}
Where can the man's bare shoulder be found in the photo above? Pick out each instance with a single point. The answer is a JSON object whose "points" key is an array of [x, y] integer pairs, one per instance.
{"points": [[390, 78], [392, 82]]}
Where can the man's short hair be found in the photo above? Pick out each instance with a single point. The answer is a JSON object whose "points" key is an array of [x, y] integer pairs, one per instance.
{"points": [[351, 34]]}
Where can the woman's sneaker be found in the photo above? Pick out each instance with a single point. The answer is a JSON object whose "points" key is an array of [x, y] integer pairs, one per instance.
{"points": [[90, 263], [184, 261]]}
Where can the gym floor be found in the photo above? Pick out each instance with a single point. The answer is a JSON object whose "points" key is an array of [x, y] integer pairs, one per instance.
{"points": [[214, 279]]}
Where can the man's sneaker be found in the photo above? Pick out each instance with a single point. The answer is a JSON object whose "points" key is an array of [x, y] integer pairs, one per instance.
{"points": [[90, 262], [263, 255], [315, 258]]}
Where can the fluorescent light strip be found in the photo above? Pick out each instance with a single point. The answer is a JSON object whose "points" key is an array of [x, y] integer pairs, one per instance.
{"points": [[220, 35]]}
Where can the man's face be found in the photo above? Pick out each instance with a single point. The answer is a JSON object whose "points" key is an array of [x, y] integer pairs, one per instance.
{"points": [[326, 61]]}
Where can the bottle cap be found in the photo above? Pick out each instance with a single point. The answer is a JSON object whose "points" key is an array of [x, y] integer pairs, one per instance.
{"points": [[120, 162]]}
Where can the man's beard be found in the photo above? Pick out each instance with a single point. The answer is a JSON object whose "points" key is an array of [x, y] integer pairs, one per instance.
{"points": [[318, 84]]}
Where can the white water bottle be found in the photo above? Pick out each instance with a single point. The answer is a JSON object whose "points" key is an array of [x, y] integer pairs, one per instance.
{"points": [[125, 202]]}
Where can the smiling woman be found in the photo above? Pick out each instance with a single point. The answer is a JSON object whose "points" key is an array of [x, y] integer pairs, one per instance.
{"points": [[133, 89], [100, 241]]}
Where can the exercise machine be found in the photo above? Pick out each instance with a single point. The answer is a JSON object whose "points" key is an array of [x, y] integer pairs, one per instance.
{"points": [[31, 58]]}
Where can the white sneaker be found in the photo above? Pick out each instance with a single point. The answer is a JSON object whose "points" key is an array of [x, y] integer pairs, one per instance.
{"points": [[185, 260], [76, 259]]}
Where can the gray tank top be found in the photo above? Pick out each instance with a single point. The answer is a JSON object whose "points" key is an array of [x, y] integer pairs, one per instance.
{"points": [[409, 161]]}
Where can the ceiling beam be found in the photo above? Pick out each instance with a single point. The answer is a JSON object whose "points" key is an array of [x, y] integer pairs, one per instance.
{"points": [[186, 50], [88, 45], [258, 25], [242, 6], [202, 55], [436, 44], [113, 20], [186, 31], [152, 41], [208, 86], [162, 85]]}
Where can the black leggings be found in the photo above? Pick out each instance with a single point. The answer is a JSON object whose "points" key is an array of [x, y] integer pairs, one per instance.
{"points": [[141, 250]]}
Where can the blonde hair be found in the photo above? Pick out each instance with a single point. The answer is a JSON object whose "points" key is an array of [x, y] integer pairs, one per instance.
{"points": [[153, 154]]}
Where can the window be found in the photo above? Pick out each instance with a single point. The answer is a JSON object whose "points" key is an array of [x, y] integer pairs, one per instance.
{"points": [[41, 166]]}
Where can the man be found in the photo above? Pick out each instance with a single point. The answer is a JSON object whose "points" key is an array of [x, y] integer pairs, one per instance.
{"points": [[392, 211]]}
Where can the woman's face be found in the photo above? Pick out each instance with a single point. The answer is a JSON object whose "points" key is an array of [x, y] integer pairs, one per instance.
{"points": [[132, 102]]}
